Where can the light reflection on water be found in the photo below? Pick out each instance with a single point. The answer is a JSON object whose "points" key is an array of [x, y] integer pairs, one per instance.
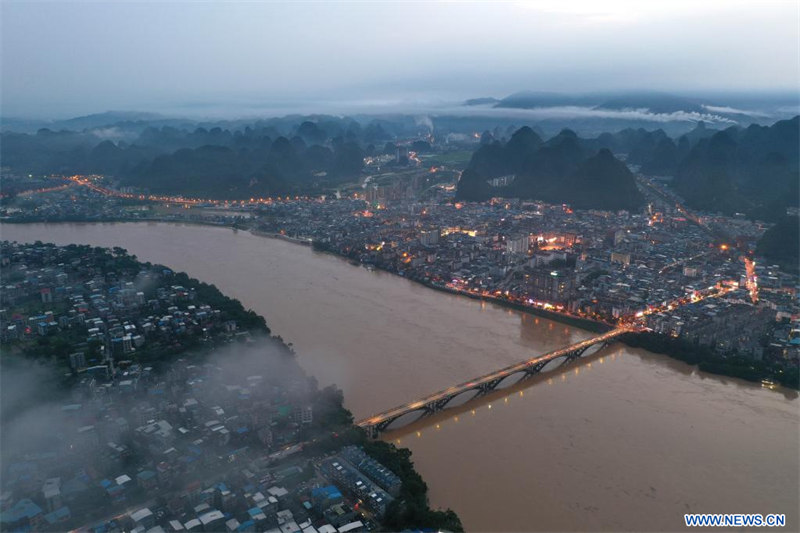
{"points": [[482, 405], [631, 442]]}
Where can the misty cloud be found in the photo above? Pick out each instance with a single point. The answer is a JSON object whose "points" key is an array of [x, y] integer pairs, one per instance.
{"points": [[577, 112], [113, 134], [36, 420], [424, 121], [133, 55], [733, 110]]}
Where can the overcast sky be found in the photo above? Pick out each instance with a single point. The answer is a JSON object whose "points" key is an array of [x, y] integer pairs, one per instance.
{"points": [[68, 58]]}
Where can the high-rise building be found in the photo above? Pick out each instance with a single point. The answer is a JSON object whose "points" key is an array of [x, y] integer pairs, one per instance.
{"points": [[517, 244], [429, 237], [554, 286]]}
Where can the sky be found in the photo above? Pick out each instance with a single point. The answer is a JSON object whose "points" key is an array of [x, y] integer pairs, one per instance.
{"points": [[65, 58]]}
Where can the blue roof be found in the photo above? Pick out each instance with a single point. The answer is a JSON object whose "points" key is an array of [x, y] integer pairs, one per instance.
{"points": [[23, 509], [330, 492], [116, 489], [196, 450], [58, 515]]}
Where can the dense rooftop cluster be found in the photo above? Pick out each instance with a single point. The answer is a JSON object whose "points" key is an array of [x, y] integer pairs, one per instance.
{"points": [[598, 265], [176, 411]]}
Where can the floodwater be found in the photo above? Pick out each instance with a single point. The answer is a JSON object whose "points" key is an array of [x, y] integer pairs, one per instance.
{"points": [[620, 440]]}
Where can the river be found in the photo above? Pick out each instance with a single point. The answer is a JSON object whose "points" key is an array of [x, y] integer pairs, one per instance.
{"points": [[623, 440]]}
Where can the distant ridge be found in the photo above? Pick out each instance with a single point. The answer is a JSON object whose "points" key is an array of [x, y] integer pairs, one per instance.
{"points": [[561, 170], [655, 103], [481, 101], [753, 170]]}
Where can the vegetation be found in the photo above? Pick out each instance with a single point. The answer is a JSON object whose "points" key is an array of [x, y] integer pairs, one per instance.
{"points": [[781, 244], [410, 510], [710, 361], [754, 170], [561, 170], [231, 309], [332, 426], [219, 163]]}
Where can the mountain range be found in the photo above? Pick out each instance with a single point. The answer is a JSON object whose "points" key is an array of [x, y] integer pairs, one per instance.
{"points": [[561, 170], [753, 170]]}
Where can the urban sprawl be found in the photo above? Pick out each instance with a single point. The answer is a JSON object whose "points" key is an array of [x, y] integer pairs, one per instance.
{"points": [[133, 435]]}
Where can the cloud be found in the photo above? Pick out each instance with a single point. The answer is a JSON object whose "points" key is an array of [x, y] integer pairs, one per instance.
{"points": [[33, 419], [580, 112], [113, 134], [426, 112], [733, 110], [424, 121]]}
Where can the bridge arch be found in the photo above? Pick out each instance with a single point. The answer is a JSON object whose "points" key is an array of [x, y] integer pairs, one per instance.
{"points": [[502, 378]]}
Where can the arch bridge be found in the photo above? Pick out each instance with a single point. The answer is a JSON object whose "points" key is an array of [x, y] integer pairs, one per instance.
{"points": [[438, 401]]}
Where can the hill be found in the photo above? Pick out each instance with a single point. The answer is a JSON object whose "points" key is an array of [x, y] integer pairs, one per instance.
{"points": [[562, 170], [755, 170], [256, 160], [781, 244]]}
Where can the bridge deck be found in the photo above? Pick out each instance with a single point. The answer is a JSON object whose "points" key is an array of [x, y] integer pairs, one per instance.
{"points": [[487, 378]]}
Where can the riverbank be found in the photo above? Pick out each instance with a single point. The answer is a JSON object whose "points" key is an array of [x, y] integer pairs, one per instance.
{"points": [[411, 509], [584, 323], [385, 341], [578, 322], [272, 235], [233, 336], [707, 360], [570, 320], [113, 220]]}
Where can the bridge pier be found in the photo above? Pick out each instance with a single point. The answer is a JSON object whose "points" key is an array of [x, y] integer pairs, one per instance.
{"points": [[486, 384]]}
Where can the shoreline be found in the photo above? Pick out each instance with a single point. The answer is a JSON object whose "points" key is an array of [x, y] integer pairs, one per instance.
{"points": [[413, 489], [578, 322], [272, 235], [708, 355]]}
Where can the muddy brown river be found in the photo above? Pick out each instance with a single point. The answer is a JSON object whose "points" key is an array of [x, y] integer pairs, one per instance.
{"points": [[621, 440]]}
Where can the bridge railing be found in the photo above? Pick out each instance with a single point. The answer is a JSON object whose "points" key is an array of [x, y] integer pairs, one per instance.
{"points": [[476, 383]]}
